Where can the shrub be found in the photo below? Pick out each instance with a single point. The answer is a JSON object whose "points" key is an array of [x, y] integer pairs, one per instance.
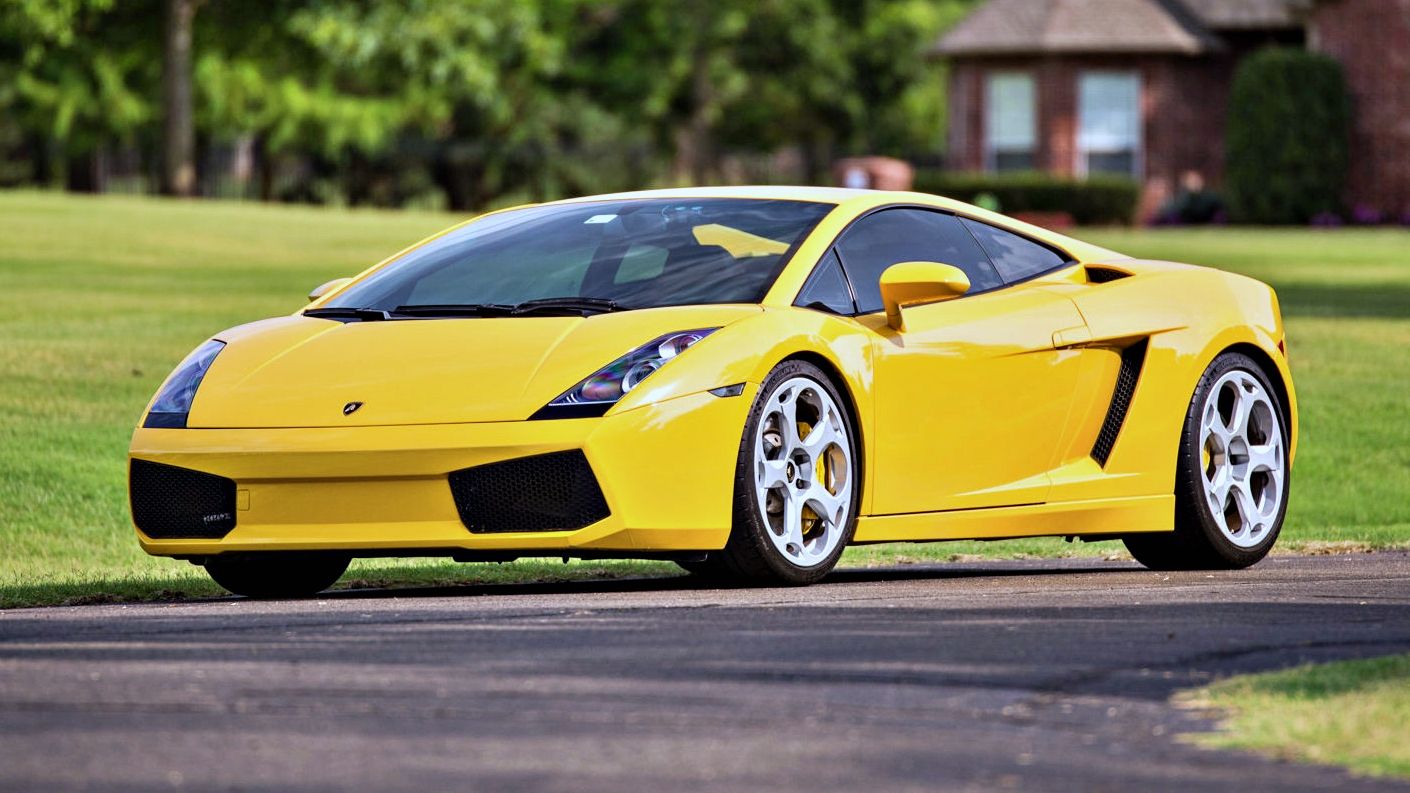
{"points": [[1191, 207], [1099, 199], [1289, 122]]}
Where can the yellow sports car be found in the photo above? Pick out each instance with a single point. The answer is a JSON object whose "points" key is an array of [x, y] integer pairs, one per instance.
{"points": [[742, 380]]}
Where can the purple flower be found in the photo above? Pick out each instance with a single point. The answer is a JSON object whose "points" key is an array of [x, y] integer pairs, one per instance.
{"points": [[1364, 215], [1329, 220]]}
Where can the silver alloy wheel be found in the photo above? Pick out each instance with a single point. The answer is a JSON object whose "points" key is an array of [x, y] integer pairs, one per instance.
{"points": [[1242, 458], [803, 471]]}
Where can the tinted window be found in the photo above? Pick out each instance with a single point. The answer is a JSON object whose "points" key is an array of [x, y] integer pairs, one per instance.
{"points": [[884, 238], [1015, 257], [827, 289], [640, 253]]}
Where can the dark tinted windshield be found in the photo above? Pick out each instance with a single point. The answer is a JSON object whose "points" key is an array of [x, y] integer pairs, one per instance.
{"points": [[641, 254]]}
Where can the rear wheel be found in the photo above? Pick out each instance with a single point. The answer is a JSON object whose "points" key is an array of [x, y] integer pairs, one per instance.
{"points": [[1231, 486], [278, 575], [796, 484]]}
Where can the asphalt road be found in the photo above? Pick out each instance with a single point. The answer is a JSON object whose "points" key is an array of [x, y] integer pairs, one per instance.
{"points": [[1014, 675]]}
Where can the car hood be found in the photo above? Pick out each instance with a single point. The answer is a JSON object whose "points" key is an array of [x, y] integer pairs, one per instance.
{"points": [[301, 372]]}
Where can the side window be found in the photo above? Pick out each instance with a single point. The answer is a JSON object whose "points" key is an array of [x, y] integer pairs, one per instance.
{"points": [[884, 238], [1015, 257], [827, 289]]}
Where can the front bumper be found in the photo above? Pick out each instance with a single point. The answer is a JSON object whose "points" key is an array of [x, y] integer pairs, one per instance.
{"points": [[666, 471]]}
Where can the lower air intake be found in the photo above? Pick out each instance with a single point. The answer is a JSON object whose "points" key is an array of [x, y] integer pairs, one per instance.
{"points": [[170, 503], [547, 492]]}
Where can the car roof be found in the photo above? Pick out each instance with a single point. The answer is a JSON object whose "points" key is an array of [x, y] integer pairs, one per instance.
{"points": [[864, 200], [825, 195]]}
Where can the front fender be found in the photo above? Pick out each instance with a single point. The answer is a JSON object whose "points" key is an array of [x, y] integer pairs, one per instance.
{"points": [[747, 350]]}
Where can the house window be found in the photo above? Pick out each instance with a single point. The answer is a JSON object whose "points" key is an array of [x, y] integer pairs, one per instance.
{"points": [[1109, 123], [1011, 124]]}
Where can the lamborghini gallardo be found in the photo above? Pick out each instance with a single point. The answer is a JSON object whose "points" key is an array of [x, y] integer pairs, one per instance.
{"points": [[741, 380]]}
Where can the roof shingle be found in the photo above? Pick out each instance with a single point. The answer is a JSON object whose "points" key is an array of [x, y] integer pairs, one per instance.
{"points": [[1098, 26], [1024, 26]]}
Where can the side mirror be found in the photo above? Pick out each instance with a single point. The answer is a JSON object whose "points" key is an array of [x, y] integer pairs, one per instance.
{"points": [[914, 283], [323, 289]]}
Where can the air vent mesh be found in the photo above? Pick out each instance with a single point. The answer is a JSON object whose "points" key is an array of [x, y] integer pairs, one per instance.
{"points": [[1132, 358], [546, 492], [177, 503]]}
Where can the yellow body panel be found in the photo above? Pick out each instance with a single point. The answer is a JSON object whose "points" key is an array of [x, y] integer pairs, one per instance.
{"points": [[992, 355], [976, 421], [378, 488]]}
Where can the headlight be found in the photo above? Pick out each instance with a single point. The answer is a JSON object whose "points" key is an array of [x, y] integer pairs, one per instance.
{"points": [[173, 402], [601, 389]]}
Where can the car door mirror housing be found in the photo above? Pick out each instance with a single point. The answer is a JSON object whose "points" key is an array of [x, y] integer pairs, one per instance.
{"points": [[915, 283], [325, 288]]}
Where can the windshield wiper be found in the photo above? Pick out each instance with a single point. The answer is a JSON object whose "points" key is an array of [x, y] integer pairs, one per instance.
{"points": [[454, 310], [571, 306], [582, 306], [359, 314]]}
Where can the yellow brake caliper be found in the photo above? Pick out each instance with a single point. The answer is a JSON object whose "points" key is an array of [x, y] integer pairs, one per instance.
{"points": [[810, 518]]}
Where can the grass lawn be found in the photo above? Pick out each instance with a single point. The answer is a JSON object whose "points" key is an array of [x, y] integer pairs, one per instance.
{"points": [[100, 297], [1351, 713]]}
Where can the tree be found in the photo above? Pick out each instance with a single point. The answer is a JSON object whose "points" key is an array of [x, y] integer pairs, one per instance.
{"points": [[69, 96], [898, 93], [1288, 137], [178, 125], [487, 101], [704, 78]]}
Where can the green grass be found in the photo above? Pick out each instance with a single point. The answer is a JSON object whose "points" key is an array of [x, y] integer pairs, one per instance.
{"points": [[1352, 714], [100, 297]]}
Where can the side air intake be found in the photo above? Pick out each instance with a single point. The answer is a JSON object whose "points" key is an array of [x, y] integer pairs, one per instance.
{"points": [[546, 492], [1096, 274], [1132, 358]]}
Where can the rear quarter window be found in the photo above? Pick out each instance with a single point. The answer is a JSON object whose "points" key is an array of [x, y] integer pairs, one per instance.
{"points": [[1016, 258]]}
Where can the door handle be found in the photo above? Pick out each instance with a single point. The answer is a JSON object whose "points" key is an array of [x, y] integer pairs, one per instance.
{"points": [[1071, 337]]}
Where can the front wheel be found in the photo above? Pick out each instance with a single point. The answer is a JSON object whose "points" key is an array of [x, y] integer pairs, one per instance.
{"points": [[1231, 483], [796, 483], [278, 575]]}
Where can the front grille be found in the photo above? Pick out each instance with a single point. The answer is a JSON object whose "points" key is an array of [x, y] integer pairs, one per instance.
{"points": [[177, 503], [1132, 359], [546, 492]]}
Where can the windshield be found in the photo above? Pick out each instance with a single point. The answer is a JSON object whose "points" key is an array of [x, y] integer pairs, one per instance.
{"points": [[636, 254]]}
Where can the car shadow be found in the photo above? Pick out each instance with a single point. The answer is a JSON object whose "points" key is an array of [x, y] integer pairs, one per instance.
{"points": [[689, 583], [181, 590]]}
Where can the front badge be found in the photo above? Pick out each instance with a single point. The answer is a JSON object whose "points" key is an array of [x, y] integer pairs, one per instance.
{"points": [[351, 408]]}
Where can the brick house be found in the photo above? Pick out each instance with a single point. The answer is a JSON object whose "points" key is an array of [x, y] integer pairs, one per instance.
{"points": [[1141, 87]]}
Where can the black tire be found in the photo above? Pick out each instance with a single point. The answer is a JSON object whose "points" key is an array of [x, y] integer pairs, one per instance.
{"points": [[1197, 543], [278, 575], [749, 556]]}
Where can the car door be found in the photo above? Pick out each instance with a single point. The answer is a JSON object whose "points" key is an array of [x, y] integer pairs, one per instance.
{"points": [[972, 398]]}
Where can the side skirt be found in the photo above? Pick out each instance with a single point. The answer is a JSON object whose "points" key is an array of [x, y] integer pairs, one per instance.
{"points": [[1098, 516]]}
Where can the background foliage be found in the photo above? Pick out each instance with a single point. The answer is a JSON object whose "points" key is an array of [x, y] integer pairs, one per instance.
{"points": [[1287, 138], [473, 103], [1096, 200]]}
